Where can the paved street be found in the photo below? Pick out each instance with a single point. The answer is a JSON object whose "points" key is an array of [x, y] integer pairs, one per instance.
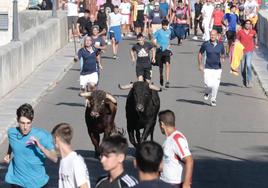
{"points": [[228, 142]]}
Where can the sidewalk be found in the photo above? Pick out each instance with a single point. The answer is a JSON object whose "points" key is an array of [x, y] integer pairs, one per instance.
{"points": [[44, 78], [260, 66]]}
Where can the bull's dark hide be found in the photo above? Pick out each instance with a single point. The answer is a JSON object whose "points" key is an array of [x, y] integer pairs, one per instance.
{"points": [[142, 107], [99, 116]]}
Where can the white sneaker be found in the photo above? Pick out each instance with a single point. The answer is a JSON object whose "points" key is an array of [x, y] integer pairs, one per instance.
{"points": [[195, 38], [213, 103], [206, 97]]}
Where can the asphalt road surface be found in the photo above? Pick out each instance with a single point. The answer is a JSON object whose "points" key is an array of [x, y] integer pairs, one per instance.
{"points": [[228, 142]]}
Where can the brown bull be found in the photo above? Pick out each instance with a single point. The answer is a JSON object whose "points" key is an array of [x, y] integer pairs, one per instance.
{"points": [[100, 112]]}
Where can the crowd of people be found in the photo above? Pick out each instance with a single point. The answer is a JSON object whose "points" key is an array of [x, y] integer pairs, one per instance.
{"points": [[167, 166], [227, 28], [155, 23]]}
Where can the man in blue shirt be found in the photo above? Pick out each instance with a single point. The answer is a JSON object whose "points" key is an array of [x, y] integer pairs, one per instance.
{"points": [[212, 71], [29, 148], [230, 20], [161, 39]]}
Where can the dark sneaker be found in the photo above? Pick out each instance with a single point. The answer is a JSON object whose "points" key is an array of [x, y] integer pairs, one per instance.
{"points": [[161, 81], [167, 85]]}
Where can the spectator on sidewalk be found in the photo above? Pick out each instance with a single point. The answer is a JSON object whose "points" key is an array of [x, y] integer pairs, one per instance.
{"points": [[149, 156], [115, 20], [212, 72], [73, 171], [28, 149], [113, 151], [247, 37], [177, 162], [161, 40]]}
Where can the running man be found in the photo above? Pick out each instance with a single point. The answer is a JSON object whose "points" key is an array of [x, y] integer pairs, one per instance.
{"points": [[143, 63], [88, 64], [212, 72], [177, 161], [73, 171], [115, 20], [161, 40]]}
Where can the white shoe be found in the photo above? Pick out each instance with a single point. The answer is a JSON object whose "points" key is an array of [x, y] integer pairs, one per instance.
{"points": [[206, 97], [195, 38], [213, 103]]}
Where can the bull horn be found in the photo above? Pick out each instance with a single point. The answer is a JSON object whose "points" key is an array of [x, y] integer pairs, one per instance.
{"points": [[85, 94], [123, 87], [153, 87], [108, 96]]}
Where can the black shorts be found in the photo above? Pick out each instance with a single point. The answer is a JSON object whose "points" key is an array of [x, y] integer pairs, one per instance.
{"points": [[139, 23], [231, 35], [163, 57], [72, 20], [217, 28], [145, 70]]}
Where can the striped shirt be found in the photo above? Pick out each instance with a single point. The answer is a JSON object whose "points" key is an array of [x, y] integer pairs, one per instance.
{"points": [[122, 181]]}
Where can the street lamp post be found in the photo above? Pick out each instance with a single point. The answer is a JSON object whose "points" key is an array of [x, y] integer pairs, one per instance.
{"points": [[54, 8], [15, 33]]}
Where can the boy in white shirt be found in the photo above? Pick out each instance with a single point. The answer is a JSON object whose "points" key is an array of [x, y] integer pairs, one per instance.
{"points": [[115, 20], [73, 171]]}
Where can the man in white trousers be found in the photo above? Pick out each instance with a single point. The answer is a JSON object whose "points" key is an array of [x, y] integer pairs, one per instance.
{"points": [[207, 11], [212, 69]]}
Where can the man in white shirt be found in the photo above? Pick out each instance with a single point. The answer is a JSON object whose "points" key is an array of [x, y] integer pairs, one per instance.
{"points": [[251, 11], [125, 8], [73, 171], [177, 160], [72, 16], [115, 20], [207, 11]]}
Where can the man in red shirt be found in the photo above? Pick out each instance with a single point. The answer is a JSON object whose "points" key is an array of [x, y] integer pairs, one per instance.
{"points": [[247, 36], [216, 21]]}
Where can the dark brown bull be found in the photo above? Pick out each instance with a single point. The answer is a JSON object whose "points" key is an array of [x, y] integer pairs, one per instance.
{"points": [[100, 112]]}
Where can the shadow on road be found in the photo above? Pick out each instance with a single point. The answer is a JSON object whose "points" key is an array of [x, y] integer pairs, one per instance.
{"points": [[178, 87], [226, 84], [107, 57], [191, 101], [73, 104], [232, 93], [73, 69], [73, 88]]}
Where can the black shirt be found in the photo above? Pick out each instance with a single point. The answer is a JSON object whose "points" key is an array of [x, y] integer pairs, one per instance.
{"points": [[143, 52], [154, 184], [83, 22], [102, 20], [198, 8], [89, 27], [124, 180]]}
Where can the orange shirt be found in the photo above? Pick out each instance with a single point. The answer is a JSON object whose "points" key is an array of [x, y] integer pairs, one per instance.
{"points": [[217, 15]]}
